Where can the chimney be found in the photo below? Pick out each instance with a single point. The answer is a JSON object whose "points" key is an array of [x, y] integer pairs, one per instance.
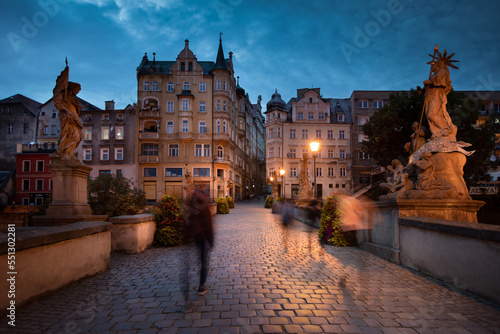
{"points": [[109, 105]]}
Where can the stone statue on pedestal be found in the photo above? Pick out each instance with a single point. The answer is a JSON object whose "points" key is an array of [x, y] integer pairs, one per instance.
{"points": [[305, 189]]}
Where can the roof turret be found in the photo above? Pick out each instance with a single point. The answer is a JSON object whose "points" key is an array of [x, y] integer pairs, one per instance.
{"points": [[276, 102]]}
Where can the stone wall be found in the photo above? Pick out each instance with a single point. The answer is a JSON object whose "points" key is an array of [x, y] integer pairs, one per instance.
{"points": [[49, 258], [132, 234]]}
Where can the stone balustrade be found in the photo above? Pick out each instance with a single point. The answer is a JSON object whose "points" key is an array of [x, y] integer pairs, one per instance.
{"points": [[132, 234]]}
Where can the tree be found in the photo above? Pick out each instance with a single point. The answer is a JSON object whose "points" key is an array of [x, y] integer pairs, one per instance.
{"points": [[113, 196], [390, 128]]}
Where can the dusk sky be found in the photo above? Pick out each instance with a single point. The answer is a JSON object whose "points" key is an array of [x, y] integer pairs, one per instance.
{"points": [[339, 46]]}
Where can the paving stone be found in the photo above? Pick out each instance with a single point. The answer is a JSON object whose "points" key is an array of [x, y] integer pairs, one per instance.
{"points": [[256, 286]]}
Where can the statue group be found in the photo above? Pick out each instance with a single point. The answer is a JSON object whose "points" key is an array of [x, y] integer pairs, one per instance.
{"points": [[435, 168]]}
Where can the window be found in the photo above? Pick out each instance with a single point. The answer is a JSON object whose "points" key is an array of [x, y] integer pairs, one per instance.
{"points": [[39, 184], [218, 126], [343, 171], [26, 201], [203, 86], [104, 172], [10, 129], [330, 134], [300, 115], [87, 133], [105, 133], [186, 86], [220, 152], [218, 85], [185, 125], [119, 153], [45, 129], [363, 104], [38, 201], [183, 66], [170, 86], [224, 87], [173, 150], [305, 134], [54, 130], [318, 134], [202, 150], [26, 128], [87, 154], [331, 171], [185, 104], [342, 154], [224, 106], [378, 104], [341, 134], [190, 66], [292, 133], [361, 138], [206, 150], [150, 171], [170, 127], [362, 120], [119, 133], [319, 171], [26, 166], [155, 86], [341, 117], [310, 100], [119, 173], [39, 166], [170, 106], [218, 105], [201, 171], [293, 171], [104, 153], [224, 127], [321, 116], [270, 133], [203, 107], [198, 150], [292, 153], [146, 85], [203, 127], [271, 152], [149, 149], [310, 116], [173, 172], [26, 184], [363, 155]]}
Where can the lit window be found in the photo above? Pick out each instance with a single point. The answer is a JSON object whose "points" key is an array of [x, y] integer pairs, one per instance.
{"points": [[105, 133], [119, 133], [87, 133]]}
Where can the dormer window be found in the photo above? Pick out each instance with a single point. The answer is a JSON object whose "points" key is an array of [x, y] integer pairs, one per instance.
{"points": [[183, 66], [310, 100], [190, 66], [341, 117], [105, 117]]}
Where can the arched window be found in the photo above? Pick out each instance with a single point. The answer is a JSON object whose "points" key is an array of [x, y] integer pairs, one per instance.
{"points": [[220, 152]]}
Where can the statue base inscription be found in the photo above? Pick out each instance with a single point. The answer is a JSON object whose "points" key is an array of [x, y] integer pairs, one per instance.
{"points": [[69, 195]]}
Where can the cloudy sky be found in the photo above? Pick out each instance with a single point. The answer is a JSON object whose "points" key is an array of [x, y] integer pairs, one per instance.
{"points": [[339, 46]]}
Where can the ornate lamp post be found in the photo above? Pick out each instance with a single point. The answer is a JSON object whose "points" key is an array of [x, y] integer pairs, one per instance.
{"points": [[314, 148], [282, 173]]}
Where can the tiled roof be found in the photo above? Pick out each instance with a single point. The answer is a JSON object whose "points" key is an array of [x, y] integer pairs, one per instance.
{"points": [[28, 103]]}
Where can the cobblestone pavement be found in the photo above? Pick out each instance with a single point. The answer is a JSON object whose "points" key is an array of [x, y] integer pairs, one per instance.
{"points": [[258, 286]]}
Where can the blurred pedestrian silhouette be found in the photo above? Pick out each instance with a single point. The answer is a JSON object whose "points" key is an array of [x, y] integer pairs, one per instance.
{"points": [[313, 213], [199, 229], [286, 211]]}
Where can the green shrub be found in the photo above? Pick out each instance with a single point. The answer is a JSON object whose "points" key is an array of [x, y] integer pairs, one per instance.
{"points": [[330, 227], [230, 202], [269, 202], [222, 205], [170, 225], [113, 196]]}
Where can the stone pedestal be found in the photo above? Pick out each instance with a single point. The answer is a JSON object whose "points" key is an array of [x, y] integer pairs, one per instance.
{"points": [[69, 195]]}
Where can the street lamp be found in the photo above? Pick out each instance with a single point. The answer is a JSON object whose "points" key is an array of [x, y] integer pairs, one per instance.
{"points": [[282, 173], [314, 148]]}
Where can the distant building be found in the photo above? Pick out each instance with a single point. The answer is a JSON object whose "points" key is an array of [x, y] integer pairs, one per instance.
{"points": [[17, 125], [33, 181], [109, 141], [195, 120], [292, 127]]}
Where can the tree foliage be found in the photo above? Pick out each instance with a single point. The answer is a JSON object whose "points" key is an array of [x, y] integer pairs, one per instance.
{"points": [[390, 128], [113, 196]]}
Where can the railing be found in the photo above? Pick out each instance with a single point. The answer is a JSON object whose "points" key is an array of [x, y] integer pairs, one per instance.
{"points": [[148, 158], [148, 135], [149, 114]]}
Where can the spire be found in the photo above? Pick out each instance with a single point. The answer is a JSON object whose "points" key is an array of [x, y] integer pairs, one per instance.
{"points": [[220, 62]]}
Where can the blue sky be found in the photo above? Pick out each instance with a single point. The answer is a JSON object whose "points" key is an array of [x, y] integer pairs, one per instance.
{"points": [[339, 46]]}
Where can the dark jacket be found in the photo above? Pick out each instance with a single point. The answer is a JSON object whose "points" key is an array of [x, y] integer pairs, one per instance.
{"points": [[199, 225]]}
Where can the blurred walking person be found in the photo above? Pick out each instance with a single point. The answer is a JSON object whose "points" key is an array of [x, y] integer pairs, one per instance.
{"points": [[286, 211], [199, 229]]}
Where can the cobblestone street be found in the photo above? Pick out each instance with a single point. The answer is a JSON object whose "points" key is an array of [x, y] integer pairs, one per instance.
{"points": [[257, 285]]}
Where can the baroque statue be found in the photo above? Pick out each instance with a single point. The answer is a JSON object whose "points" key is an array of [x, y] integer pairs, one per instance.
{"points": [[66, 102]]}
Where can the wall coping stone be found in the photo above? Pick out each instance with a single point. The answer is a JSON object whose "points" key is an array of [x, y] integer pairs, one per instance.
{"points": [[132, 219], [473, 230], [31, 237]]}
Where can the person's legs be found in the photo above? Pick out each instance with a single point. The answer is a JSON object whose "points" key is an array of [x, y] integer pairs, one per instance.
{"points": [[203, 252]]}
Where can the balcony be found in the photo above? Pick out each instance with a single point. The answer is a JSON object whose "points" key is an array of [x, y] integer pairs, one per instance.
{"points": [[149, 114], [148, 158], [221, 136], [185, 135], [148, 135]]}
